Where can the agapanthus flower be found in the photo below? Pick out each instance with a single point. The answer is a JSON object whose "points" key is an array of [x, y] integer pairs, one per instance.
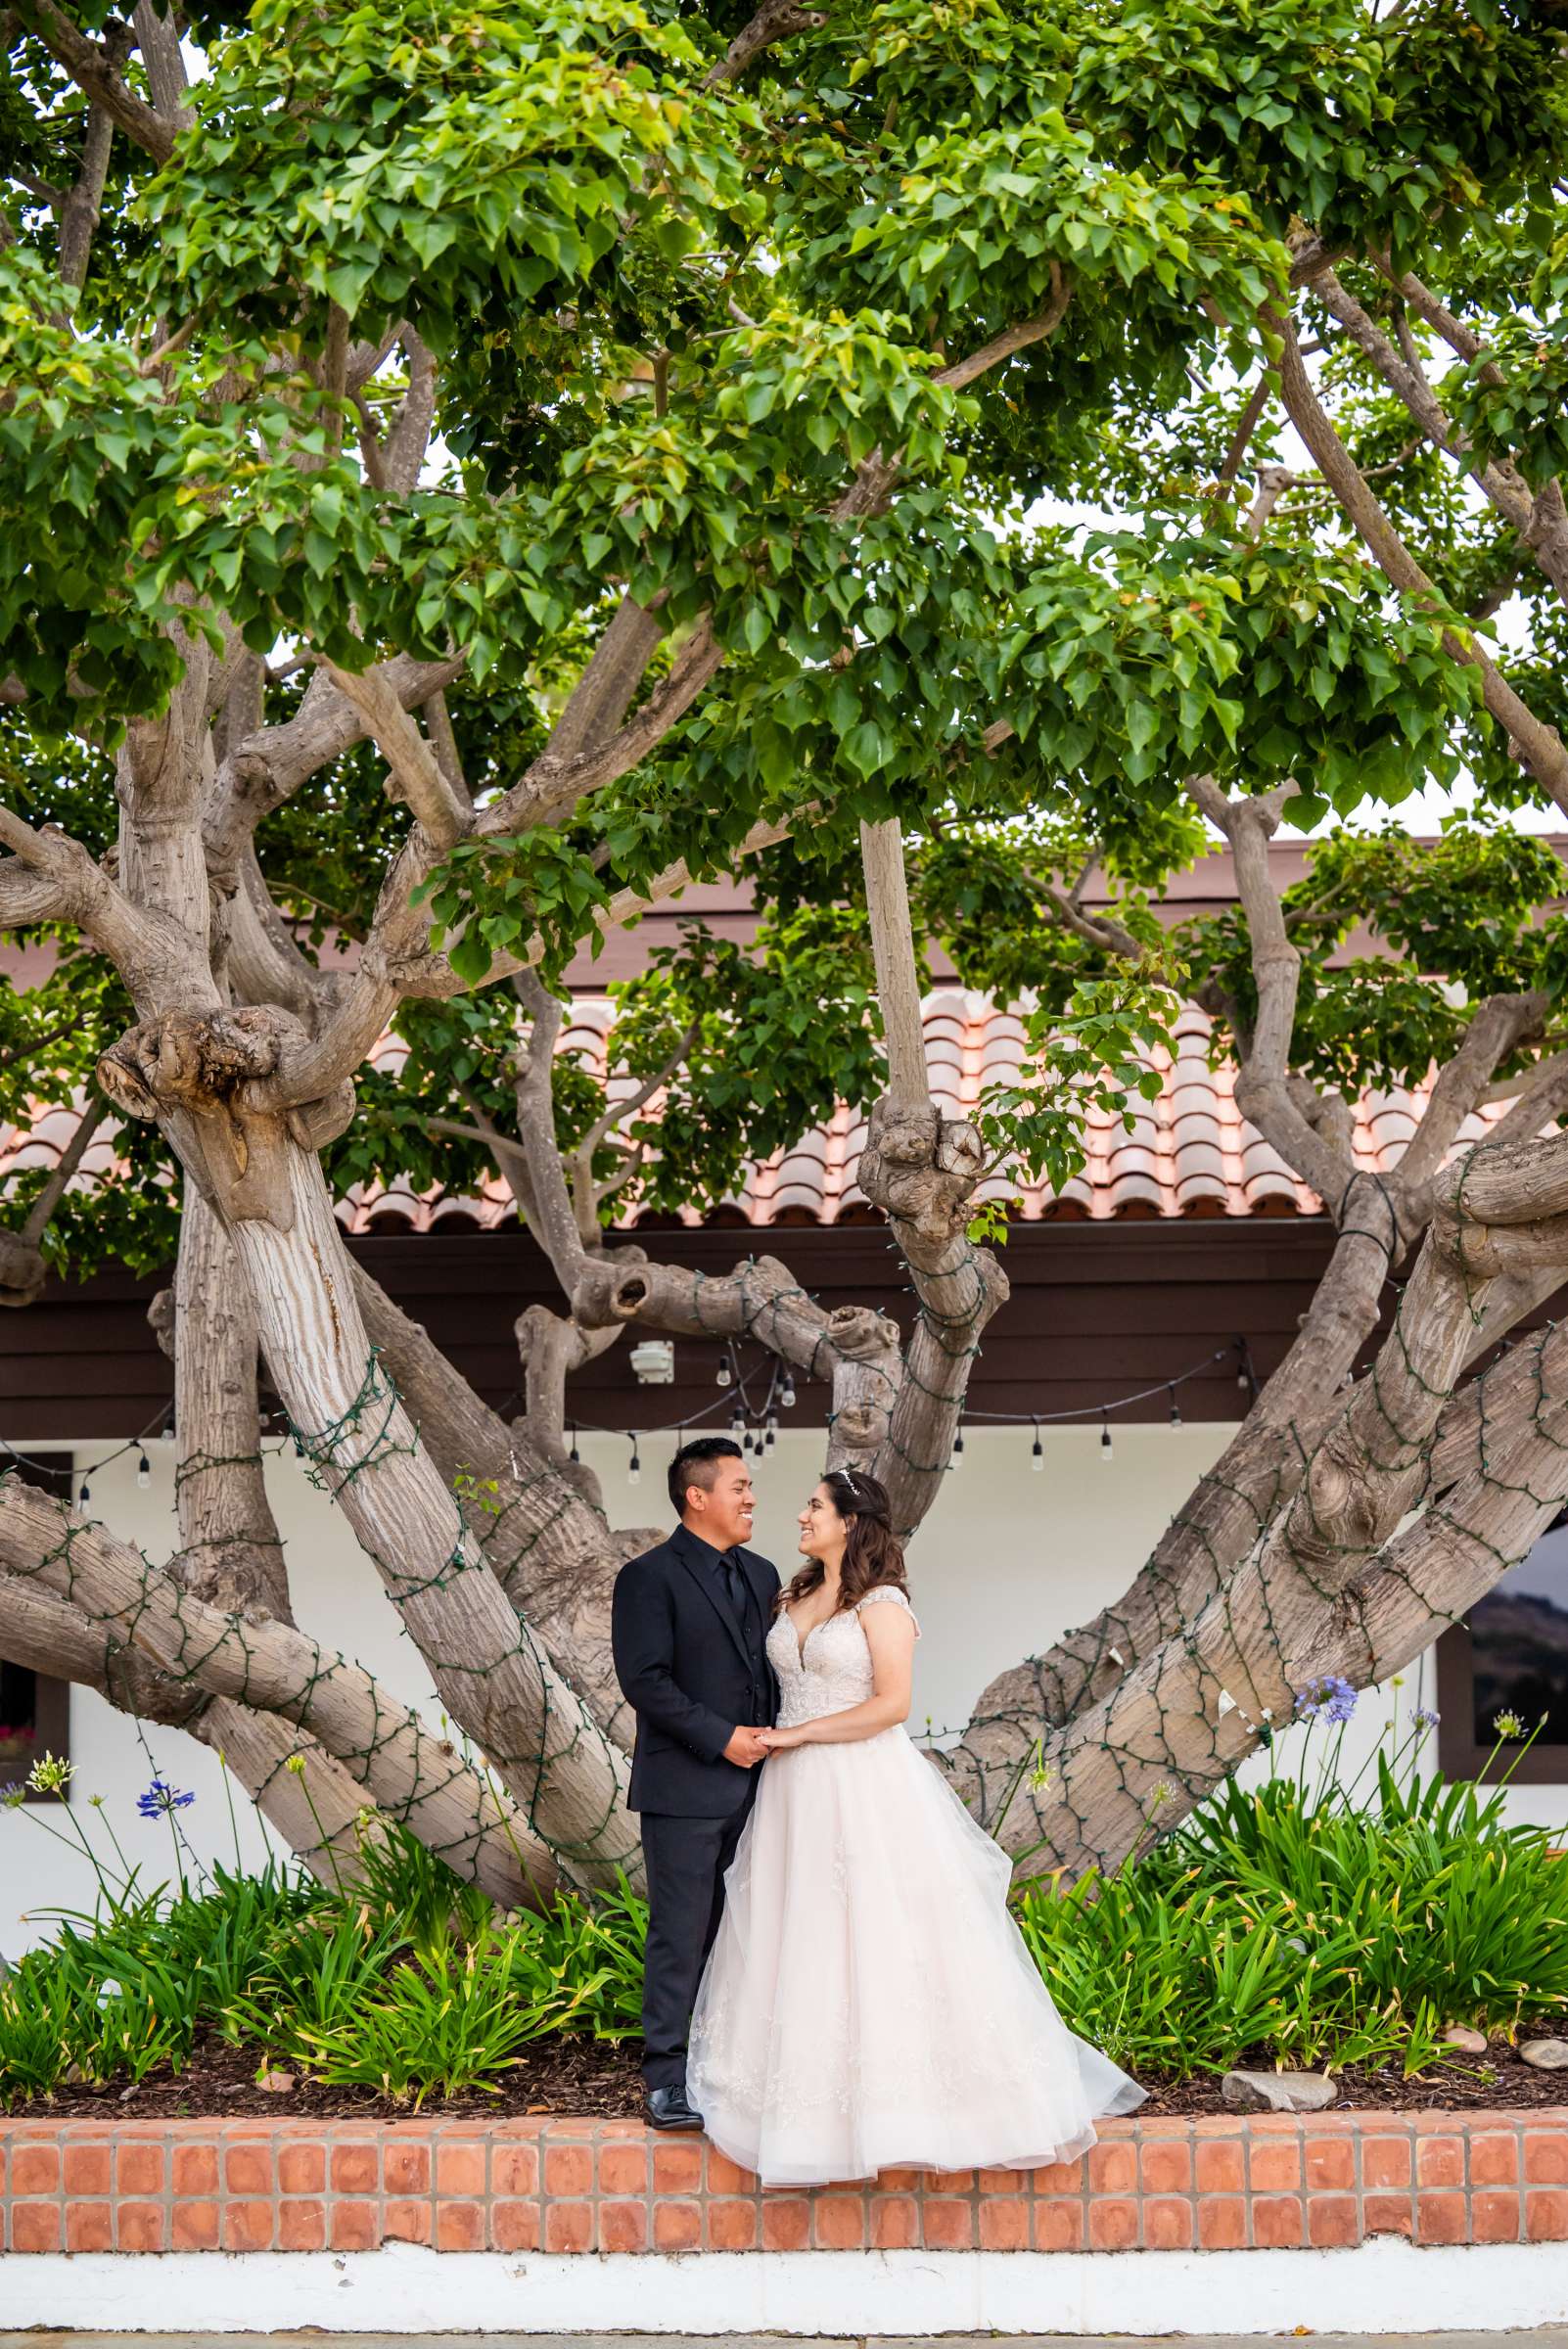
{"points": [[51, 1775], [160, 1799], [1507, 1724], [1427, 1717], [1332, 1698]]}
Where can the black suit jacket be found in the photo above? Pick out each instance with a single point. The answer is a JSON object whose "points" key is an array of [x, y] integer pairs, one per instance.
{"points": [[690, 1673]]}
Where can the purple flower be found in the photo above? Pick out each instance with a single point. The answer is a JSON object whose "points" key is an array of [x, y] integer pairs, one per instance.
{"points": [[1330, 1698], [1427, 1719], [160, 1799]]}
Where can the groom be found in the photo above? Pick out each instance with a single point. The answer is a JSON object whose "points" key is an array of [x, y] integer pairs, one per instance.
{"points": [[689, 1626]]}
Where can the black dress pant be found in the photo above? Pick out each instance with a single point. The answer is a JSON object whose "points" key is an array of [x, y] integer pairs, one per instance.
{"points": [[686, 1859]]}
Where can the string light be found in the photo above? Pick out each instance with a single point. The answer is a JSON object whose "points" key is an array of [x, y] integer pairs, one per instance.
{"points": [[575, 1455], [144, 1470], [725, 1375], [766, 1421], [1113, 1403], [1036, 1456], [43, 1465], [634, 1470]]}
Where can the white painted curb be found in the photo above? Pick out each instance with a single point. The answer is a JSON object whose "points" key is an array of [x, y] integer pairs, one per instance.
{"points": [[1384, 2286]]}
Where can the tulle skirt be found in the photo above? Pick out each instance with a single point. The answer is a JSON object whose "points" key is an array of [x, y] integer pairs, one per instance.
{"points": [[869, 2001]]}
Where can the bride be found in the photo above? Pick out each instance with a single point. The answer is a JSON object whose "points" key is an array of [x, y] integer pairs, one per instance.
{"points": [[868, 2002]]}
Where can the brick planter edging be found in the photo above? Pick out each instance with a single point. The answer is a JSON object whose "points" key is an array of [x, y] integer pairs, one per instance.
{"points": [[1267, 2182]]}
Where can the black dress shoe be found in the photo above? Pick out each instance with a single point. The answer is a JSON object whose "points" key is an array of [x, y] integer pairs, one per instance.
{"points": [[667, 2109]]}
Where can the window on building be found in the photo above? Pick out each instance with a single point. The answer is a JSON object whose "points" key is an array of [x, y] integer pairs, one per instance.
{"points": [[1510, 1655], [34, 1710]]}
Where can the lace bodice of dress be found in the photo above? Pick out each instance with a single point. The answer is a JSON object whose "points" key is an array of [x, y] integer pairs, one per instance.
{"points": [[835, 1670]]}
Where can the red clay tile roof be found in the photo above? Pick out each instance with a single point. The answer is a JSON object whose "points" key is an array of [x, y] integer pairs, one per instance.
{"points": [[1189, 1152]]}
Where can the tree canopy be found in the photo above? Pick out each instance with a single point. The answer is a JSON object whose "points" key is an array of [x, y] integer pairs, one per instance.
{"points": [[464, 478]]}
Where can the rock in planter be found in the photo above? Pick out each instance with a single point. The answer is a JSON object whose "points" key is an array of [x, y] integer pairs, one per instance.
{"points": [[1547, 2054], [1468, 2042], [1279, 2091]]}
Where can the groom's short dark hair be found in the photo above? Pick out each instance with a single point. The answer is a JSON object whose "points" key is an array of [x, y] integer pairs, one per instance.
{"points": [[697, 1463]]}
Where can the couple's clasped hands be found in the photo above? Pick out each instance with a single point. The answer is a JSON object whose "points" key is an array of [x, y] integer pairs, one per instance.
{"points": [[747, 1745]]}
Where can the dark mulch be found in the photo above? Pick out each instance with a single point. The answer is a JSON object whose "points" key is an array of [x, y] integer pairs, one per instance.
{"points": [[1498, 2080], [567, 2075], [593, 2078]]}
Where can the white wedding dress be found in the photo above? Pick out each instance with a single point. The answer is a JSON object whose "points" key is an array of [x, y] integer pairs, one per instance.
{"points": [[869, 2001]]}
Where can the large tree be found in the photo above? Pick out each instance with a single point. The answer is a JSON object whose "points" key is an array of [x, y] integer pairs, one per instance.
{"points": [[462, 480]]}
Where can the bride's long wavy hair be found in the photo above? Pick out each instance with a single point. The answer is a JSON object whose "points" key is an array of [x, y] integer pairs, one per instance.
{"points": [[872, 1551]]}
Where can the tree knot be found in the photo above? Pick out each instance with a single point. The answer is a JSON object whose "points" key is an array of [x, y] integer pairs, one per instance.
{"points": [[22, 1270], [194, 1072], [920, 1167], [192, 1061]]}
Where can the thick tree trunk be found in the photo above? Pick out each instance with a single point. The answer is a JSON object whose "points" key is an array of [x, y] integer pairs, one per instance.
{"points": [[317, 1806], [921, 1168], [1181, 1721], [230, 1553], [270, 1668], [494, 1678], [548, 1545], [48, 1634], [1232, 1504]]}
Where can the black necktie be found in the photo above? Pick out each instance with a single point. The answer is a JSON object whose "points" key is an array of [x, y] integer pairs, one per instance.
{"points": [[734, 1583]]}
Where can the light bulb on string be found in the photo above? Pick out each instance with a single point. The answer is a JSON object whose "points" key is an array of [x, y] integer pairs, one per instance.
{"points": [[769, 1439], [957, 1460], [1036, 1454], [167, 1429], [1107, 1450], [724, 1370], [634, 1468], [86, 1493], [144, 1468], [787, 1394], [1175, 1408], [574, 1455]]}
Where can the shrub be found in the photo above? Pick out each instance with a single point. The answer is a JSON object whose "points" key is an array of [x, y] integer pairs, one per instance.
{"points": [[1287, 1923], [403, 1980], [1312, 1930]]}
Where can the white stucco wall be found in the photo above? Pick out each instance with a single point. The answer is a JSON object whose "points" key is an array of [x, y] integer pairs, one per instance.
{"points": [[1008, 1559]]}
